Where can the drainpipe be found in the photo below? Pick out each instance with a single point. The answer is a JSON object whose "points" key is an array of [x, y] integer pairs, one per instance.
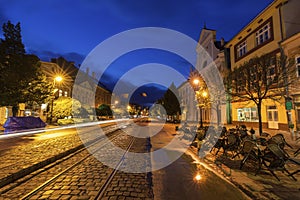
{"points": [[280, 21]]}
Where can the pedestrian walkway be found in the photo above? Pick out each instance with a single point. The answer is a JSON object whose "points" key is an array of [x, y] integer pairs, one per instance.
{"points": [[263, 185]]}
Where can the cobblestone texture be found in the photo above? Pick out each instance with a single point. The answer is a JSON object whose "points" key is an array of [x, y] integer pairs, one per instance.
{"points": [[30, 156], [133, 185], [84, 180]]}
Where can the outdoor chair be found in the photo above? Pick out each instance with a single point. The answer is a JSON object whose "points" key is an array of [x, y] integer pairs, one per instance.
{"points": [[263, 139], [218, 145], [297, 152], [245, 149], [265, 135], [278, 139], [231, 143], [275, 159], [249, 154]]}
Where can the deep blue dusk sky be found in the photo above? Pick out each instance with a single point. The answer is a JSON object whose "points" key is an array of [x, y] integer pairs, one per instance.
{"points": [[59, 27], [73, 28]]}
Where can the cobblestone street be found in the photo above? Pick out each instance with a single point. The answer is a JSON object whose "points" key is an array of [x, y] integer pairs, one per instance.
{"points": [[176, 181]]}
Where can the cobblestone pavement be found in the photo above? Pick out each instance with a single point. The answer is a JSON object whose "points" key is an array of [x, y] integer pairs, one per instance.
{"points": [[39, 150], [132, 185], [84, 180]]}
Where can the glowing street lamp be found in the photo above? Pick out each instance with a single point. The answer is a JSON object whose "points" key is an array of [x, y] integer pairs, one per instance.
{"points": [[196, 82], [200, 95], [56, 79]]}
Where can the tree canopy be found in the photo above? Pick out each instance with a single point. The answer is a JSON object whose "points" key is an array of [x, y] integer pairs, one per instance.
{"points": [[20, 77], [263, 77], [170, 101], [104, 110], [66, 107]]}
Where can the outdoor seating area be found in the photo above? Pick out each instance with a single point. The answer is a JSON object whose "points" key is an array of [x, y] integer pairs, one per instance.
{"points": [[267, 152]]}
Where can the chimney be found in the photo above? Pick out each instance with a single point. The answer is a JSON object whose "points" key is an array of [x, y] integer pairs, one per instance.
{"points": [[87, 71], [93, 75], [222, 42]]}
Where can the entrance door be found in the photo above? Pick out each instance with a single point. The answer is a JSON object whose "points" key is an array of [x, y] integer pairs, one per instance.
{"points": [[272, 114]]}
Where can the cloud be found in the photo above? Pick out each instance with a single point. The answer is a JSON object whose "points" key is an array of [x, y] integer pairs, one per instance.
{"points": [[47, 55]]}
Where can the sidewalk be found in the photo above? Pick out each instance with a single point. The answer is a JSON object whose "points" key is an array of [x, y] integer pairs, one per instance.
{"points": [[264, 185]]}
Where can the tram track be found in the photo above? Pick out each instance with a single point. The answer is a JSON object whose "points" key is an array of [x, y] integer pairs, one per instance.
{"points": [[108, 172], [81, 174], [37, 189], [113, 173], [36, 169]]}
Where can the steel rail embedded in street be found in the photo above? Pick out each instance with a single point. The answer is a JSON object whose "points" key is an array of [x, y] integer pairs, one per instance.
{"points": [[103, 142]]}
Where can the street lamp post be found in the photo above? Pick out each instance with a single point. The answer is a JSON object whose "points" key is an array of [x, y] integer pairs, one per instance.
{"points": [[56, 79], [200, 95]]}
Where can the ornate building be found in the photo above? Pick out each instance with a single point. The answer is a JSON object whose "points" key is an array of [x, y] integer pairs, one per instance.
{"points": [[209, 52]]}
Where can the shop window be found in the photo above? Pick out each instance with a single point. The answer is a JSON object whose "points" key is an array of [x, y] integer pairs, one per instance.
{"points": [[247, 114]]}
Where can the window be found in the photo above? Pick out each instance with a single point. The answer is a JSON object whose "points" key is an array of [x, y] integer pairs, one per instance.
{"points": [[247, 114], [298, 66], [66, 93], [241, 49], [263, 34], [60, 93]]}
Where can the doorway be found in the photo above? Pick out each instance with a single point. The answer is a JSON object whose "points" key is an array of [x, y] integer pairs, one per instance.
{"points": [[272, 114]]}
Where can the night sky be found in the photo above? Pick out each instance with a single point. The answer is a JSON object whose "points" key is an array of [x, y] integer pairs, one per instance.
{"points": [[73, 28]]}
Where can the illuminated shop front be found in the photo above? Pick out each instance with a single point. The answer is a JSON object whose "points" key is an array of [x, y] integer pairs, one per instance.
{"points": [[247, 114]]}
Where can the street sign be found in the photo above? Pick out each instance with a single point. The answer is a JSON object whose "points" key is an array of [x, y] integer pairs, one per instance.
{"points": [[288, 105]]}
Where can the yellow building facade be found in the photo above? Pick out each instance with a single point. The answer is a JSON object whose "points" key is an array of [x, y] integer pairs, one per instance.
{"points": [[263, 35]]}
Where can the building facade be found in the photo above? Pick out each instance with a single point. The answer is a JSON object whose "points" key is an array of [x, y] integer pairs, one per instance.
{"points": [[291, 48], [88, 91], [263, 35], [210, 53], [188, 103]]}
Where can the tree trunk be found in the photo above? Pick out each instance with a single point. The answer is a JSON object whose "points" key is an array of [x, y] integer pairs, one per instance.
{"points": [[15, 110], [259, 118]]}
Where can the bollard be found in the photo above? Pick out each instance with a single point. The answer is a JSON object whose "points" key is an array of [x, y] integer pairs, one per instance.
{"points": [[291, 126]]}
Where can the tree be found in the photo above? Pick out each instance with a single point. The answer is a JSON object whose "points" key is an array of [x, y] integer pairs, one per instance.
{"points": [[38, 90], [170, 101], [19, 72], [66, 107], [261, 78], [104, 110]]}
